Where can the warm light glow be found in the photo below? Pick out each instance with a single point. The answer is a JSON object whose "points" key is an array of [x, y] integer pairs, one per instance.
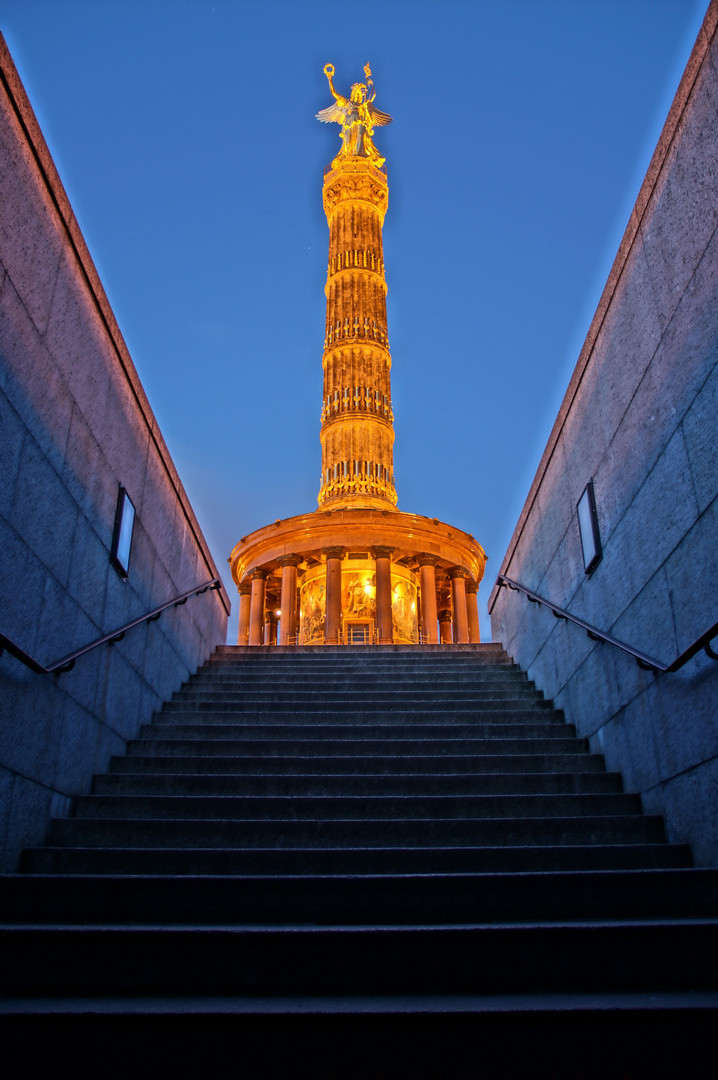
{"points": [[357, 419], [358, 117], [357, 495]]}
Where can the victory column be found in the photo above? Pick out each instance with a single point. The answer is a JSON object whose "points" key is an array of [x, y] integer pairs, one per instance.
{"points": [[357, 570]]}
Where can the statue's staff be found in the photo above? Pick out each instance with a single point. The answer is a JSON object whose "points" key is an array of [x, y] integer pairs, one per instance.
{"points": [[369, 81]]}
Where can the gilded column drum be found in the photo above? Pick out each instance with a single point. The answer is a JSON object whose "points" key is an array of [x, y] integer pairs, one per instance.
{"points": [[357, 433]]}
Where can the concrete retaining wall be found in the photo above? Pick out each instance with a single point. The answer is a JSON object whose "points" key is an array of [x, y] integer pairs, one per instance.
{"points": [[74, 425], [640, 417]]}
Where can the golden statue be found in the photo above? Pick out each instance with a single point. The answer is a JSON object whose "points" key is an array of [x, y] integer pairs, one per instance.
{"points": [[358, 118]]}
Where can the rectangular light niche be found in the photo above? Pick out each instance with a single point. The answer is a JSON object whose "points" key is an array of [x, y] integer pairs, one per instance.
{"points": [[588, 527]]}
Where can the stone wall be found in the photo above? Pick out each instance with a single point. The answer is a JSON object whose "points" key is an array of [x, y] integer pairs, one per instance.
{"points": [[74, 425], [640, 417]]}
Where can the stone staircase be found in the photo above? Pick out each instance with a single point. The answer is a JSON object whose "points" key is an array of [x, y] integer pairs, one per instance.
{"points": [[363, 862]]}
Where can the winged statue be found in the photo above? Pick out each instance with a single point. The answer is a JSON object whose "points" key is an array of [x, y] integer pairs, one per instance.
{"points": [[358, 117]]}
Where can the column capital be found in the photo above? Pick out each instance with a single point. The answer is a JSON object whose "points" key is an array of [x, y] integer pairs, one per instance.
{"points": [[457, 572], [245, 587], [445, 615], [271, 616], [424, 559], [382, 552], [471, 586], [258, 574], [334, 552], [290, 560]]}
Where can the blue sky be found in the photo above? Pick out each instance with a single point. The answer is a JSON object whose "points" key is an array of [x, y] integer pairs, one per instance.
{"points": [[185, 135]]}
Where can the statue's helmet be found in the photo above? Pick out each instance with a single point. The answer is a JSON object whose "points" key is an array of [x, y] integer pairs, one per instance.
{"points": [[358, 91]]}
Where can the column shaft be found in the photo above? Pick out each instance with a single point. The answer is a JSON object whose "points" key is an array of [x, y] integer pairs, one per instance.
{"points": [[245, 599], [270, 628], [458, 597], [384, 623], [256, 610], [288, 602], [333, 609], [445, 626], [472, 609], [429, 617]]}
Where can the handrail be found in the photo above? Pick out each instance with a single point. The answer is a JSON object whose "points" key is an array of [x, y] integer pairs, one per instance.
{"points": [[642, 659], [68, 662]]}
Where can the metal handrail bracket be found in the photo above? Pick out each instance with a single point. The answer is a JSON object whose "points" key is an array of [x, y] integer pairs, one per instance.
{"points": [[66, 663], [641, 658]]}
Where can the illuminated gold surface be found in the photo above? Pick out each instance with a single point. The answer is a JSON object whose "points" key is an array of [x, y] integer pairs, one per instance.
{"points": [[404, 606], [358, 568], [312, 607], [357, 433], [307, 535], [358, 117], [358, 601]]}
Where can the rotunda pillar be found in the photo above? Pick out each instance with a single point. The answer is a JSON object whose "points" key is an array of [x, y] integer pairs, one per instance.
{"points": [[271, 620], [288, 602], [429, 617], [245, 594], [445, 626], [256, 608], [384, 622], [472, 610], [333, 609], [458, 596]]}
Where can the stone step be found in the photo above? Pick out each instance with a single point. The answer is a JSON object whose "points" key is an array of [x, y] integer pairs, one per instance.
{"points": [[374, 664], [389, 899], [217, 740], [376, 680], [320, 699], [354, 1037], [361, 701], [240, 764], [298, 861], [356, 832], [486, 652], [216, 743], [277, 808], [323, 668], [465, 720], [342, 661], [372, 657], [356, 734], [565, 957], [360, 684], [339, 721], [357, 784]]}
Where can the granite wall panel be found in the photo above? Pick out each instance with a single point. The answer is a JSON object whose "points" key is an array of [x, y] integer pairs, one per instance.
{"points": [[30, 807], [683, 215], [640, 417], [701, 442], [647, 623], [30, 378], [74, 426], [690, 798], [32, 248], [692, 575]]}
